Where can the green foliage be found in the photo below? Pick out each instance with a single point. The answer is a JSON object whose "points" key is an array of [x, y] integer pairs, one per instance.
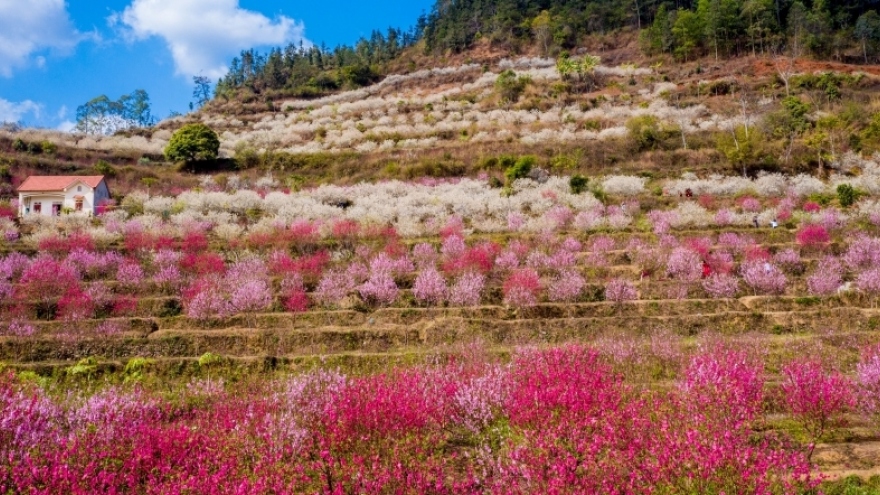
{"points": [[19, 145], [309, 72], [520, 169], [578, 183], [510, 86], [867, 31], [104, 168], [790, 120], [852, 485], [742, 147], [193, 142], [355, 76], [210, 359], [847, 195], [135, 368], [869, 138], [246, 156], [823, 199], [48, 147], [647, 132], [580, 72], [84, 367], [102, 115]]}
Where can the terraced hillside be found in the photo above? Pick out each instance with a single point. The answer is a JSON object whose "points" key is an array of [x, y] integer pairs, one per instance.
{"points": [[650, 273]]}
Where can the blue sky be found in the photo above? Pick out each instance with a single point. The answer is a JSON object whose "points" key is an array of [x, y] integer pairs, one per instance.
{"points": [[56, 55]]}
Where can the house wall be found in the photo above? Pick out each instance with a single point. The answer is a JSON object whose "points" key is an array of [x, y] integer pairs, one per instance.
{"points": [[88, 194], [102, 193], [28, 200]]}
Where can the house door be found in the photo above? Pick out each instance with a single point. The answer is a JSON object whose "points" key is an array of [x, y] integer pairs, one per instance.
{"points": [[56, 209]]}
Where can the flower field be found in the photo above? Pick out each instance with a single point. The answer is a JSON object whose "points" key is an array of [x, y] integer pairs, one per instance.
{"points": [[638, 336]]}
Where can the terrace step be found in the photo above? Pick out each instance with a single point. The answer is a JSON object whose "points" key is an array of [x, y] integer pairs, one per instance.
{"points": [[398, 334]]}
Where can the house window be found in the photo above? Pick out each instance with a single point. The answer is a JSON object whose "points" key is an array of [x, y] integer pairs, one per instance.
{"points": [[38, 207], [56, 209], [79, 188], [78, 205]]}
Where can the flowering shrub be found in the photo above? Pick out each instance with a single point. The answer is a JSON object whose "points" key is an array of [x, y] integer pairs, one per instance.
{"points": [[467, 289], [721, 285], [812, 236], [869, 281], [568, 285], [430, 287], [763, 277], [729, 378], [619, 290], [814, 397], [522, 287], [379, 289], [827, 277]]}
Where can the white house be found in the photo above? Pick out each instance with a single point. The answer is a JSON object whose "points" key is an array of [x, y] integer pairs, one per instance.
{"points": [[52, 195]]}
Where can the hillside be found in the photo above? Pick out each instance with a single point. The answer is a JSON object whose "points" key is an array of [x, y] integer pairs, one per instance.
{"points": [[526, 247]]}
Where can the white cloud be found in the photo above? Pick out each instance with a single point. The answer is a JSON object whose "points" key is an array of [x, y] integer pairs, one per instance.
{"points": [[66, 126], [203, 34], [28, 27], [14, 111]]}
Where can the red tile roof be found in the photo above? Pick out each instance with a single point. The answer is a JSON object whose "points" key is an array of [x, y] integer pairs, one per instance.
{"points": [[36, 183]]}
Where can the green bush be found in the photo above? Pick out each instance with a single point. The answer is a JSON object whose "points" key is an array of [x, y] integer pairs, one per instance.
{"points": [[520, 169], [578, 184], [511, 87], [193, 142], [246, 157], [647, 132], [105, 168], [847, 195], [209, 359]]}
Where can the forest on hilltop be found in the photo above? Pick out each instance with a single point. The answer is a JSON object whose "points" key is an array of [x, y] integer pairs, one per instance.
{"points": [[847, 30]]}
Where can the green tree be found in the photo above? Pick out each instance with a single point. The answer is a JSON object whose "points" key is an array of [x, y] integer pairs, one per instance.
{"points": [[688, 33], [659, 38], [720, 20], [867, 31], [510, 86], [742, 146], [101, 115], [193, 142], [202, 91], [761, 23], [542, 29], [581, 72]]}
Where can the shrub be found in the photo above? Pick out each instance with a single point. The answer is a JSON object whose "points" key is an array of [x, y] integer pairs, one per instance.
{"points": [[721, 285], [827, 278], [814, 397], [520, 169], [105, 168], [430, 287], [510, 86], [578, 184], [811, 235], [619, 290], [193, 142], [467, 289], [764, 277], [568, 285], [379, 289], [522, 287], [846, 195]]}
